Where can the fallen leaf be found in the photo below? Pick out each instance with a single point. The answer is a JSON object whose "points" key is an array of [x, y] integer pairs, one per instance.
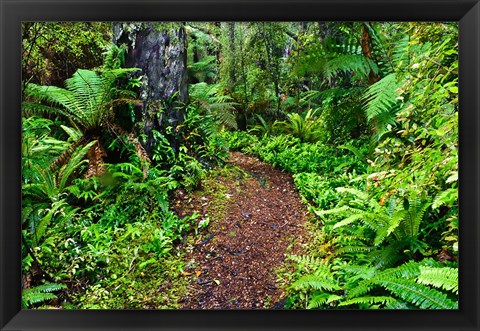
{"points": [[198, 273], [216, 281]]}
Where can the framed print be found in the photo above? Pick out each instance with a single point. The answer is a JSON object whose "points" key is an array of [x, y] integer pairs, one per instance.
{"points": [[193, 165]]}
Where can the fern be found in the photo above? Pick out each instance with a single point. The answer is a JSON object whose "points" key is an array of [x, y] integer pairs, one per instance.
{"points": [[447, 197], [73, 164], [408, 283], [381, 103], [419, 295], [40, 294], [408, 270], [368, 300], [222, 107], [306, 128], [114, 56], [318, 300], [307, 262], [323, 281], [87, 101], [358, 64], [388, 255], [444, 278]]}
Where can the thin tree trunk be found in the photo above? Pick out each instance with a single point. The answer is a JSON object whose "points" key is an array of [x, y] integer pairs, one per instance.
{"points": [[231, 40], [366, 42]]}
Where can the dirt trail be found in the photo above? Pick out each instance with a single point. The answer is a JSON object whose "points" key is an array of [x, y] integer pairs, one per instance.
{"points": [[232, 266]]}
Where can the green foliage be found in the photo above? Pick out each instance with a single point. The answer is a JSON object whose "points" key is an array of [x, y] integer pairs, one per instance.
{"points": [[210, 100], [313, 95], [306, 128], [382, 238], [86, 101], [382, 103], [443, 278], [239, 140], [263, 129], [358, 64], [40, 294], [51, 51]]}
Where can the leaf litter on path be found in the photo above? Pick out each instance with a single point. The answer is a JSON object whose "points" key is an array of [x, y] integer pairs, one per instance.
{"points": [[235, 263]]}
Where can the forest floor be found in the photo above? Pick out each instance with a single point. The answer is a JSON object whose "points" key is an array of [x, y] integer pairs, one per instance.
{"points": [[255, 217]]}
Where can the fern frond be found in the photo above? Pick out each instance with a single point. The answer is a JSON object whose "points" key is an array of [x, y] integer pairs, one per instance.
{"points": [[307, 262], [75, 161], [114, 56], [353, 191], [360, 65], [349, 220], [419, 295], [415, 213], [381, 102], [400, 54], [56, 96], [37, 297], [388, 255], [445, 278], [353, 249], [368, 300], [318, 300], [447, 197], [40, 293], [354, 150], [317, 282], [391, 224], [48, 287], [227, 118], [72, 133], [338, 210], [373, 277]]}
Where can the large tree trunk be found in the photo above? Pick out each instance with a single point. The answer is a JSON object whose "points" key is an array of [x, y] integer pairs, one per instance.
{"points": [[159, 50]]}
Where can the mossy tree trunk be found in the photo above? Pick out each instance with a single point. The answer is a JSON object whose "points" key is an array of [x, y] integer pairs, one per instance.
{"points": [[160, 51]]}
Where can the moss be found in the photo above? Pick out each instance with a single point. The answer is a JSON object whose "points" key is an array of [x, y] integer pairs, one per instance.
{"points": [[217, 184], [149, 288]]}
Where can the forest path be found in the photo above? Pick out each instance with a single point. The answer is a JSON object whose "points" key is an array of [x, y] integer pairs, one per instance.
{"points": [[260, 219]]}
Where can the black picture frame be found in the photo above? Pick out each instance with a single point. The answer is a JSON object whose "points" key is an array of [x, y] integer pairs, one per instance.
{"points": [[13, 12]]}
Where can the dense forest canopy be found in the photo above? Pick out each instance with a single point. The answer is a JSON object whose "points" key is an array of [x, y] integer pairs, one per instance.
{"points": [[121, 119]]}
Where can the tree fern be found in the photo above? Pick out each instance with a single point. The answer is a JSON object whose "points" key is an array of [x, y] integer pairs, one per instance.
{"points": [[87, 101]]}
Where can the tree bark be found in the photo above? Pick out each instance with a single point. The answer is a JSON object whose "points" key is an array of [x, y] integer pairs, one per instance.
{"points": [[366, 42], [159, 50], [231, 39]]}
